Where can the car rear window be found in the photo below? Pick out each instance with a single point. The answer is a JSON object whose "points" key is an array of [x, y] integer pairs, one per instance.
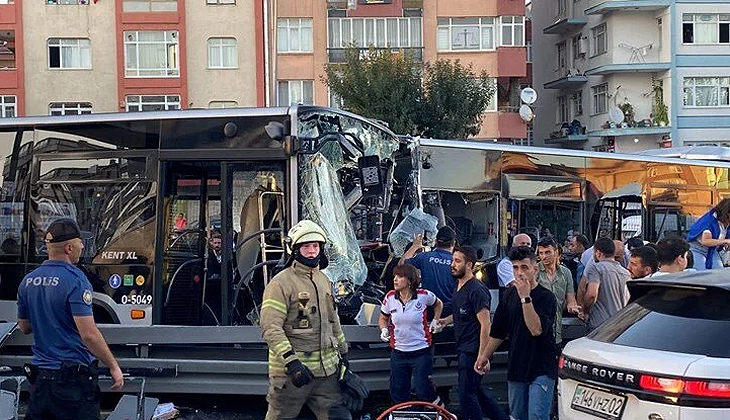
{"points": [[693, 321]]}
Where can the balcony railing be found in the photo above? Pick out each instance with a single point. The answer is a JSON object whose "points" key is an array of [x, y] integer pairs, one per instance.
{"points": [[339, 55]]}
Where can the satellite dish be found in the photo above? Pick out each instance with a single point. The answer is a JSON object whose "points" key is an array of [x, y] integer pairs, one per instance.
{"points": [[616, 115], [528, 95], [526, 113]]}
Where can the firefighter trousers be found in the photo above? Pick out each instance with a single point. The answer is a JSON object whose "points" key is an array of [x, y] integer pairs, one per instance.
{"points": [[286, 400]]}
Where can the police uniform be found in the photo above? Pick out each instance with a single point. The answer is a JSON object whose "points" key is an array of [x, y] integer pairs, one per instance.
{"points": [[302, 329], [63, 373]]}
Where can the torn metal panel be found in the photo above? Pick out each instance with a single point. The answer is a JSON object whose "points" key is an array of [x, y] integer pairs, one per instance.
{"points": [[323, 203]]}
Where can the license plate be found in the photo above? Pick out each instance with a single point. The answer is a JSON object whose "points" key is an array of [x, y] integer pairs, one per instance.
{"points": [[598, 403]]}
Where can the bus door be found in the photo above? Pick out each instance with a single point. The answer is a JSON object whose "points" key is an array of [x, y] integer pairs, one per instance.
{"points": [[221, 221]]}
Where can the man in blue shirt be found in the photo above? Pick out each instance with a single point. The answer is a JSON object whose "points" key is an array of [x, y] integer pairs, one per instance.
{"points": [[54, 302], [435, 266]]}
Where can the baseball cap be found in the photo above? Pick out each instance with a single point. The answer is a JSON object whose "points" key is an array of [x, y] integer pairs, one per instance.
{"points": [[445, 235], [62, 230]]}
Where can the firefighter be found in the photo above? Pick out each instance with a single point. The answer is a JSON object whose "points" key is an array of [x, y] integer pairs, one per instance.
{"points": [[302, 329]]}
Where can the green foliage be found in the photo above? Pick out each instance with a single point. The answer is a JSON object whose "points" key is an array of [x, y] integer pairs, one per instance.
{"points": [[659, 112], [442, 100]]}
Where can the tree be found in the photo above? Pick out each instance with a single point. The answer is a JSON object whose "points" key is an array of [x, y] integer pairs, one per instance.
{"points": [[442, 100], [454, 100], [379, 85]]}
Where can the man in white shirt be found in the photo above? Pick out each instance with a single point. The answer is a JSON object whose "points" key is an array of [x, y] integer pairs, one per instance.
{"points": [[504, 268], [672, 255]]}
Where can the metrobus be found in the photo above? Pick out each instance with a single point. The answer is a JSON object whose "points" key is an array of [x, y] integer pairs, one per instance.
{"points": [[150, 189]]}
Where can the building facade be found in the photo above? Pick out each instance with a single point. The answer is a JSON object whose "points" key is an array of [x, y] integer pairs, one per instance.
{"points": [[62, 57], [309, 34], [626, 76]]}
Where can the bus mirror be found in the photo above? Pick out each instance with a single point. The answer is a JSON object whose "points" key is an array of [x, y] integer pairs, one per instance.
{"points": [[371, 181], [276, 130]]}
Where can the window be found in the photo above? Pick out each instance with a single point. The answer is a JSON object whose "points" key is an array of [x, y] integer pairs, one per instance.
{"points": [[64, 2], [335, 101], [294, 35], [562, 115], [600, 39], [513, 31], [222, 104], [153, 103], [151, 54], [222, 53], [7, 106], [69, 108], [492, 104], [528, 44], [706, 92], [460, 34], [402, 32], [69, 53], [575, 47], [221, 1], [149, 5], [562, 9], [527, 141], [672, 319], [562, 56], [705, 29], [577, 102], [292, 92], [661, 33], [600, 99]]}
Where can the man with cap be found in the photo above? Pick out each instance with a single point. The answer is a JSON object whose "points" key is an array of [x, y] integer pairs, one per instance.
{"points": [[435, 266], [54, 302], [301, 326]]}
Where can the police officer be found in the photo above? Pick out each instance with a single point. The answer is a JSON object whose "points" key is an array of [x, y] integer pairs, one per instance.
{"points": [[302, 329], [54, 302]]}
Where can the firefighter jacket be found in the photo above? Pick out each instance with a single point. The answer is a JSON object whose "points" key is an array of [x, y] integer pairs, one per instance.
{"points": [[299, 321]]}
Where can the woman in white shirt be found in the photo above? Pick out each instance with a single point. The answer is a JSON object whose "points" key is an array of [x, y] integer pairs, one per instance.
{"points": [[404, 324]]}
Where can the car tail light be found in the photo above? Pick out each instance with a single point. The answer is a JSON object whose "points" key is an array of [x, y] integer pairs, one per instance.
{"points": [[561, 362], [659, 384], [708, 389]]}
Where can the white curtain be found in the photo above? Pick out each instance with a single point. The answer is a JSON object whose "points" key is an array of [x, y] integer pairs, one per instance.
{"points": [[706, 29]]}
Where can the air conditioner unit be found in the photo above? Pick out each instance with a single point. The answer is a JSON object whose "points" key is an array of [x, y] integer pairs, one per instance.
{"points": [[583, 45]]}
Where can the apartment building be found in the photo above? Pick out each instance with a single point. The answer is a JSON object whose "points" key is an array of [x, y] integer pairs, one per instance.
{"points": [[488, 34], [62, 57], [663, 63]]}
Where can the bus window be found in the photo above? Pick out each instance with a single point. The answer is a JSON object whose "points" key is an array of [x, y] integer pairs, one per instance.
{"points": [[475, 219], [16, 149]]}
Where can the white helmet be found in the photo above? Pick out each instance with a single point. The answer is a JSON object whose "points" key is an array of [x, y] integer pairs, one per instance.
{"points": [[306, 231]]}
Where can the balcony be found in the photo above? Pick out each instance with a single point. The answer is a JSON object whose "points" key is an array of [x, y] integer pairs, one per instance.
{"points": [[510, 125], [571, 138], [631, 131], [568, 80], [7, 13], [565, 25], [339, 55], [511, 62], [618, 5], [628, 68]]}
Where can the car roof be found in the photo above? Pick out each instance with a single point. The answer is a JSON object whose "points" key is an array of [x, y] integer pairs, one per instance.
{"points": [[716, 279]]}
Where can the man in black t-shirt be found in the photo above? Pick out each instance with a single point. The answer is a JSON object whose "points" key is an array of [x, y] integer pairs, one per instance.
{"points": [[527, 316], [470, 304]]}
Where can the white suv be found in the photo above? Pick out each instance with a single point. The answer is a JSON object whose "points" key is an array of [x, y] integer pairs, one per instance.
{"points": [[664, 356]]}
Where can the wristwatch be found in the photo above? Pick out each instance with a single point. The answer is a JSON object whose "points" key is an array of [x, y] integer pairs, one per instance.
{"points": [[526, 299]]}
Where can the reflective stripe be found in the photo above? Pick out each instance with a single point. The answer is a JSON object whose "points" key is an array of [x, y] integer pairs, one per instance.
{"points": [[274, 304], [282, 347]]}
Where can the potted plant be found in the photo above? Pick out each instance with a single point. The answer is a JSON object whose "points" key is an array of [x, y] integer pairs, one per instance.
{"points": [[628, 111], [659, 112]]}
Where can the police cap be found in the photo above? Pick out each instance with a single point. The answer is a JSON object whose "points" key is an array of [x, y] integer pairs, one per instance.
{"points": [[62, 230]]}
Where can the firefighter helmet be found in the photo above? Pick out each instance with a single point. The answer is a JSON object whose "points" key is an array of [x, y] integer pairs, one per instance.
{"points": [[306, 231]]}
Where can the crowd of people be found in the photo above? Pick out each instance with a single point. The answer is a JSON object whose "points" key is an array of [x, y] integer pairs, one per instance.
{"points": [[431, 290]]}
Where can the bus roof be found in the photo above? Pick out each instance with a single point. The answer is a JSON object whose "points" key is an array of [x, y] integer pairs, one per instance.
{"points": [[34, 121], [477, 145]]}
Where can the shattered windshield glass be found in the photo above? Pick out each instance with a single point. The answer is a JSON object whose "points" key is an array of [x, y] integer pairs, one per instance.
{"points": [[341, 140]]}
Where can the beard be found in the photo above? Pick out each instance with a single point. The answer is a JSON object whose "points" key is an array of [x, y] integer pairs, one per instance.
{"points": [[458, 274]]}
